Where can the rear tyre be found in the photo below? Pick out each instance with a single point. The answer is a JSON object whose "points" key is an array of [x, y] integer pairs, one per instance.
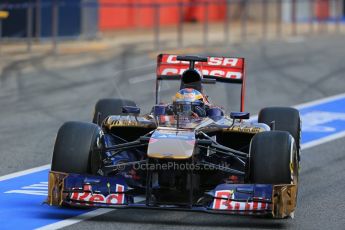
{"points": [[285, 119], [273, 158], [107, 107], [74, 145]]}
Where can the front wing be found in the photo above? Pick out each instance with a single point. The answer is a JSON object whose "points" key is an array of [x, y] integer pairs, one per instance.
{"points": [[97, 191]]}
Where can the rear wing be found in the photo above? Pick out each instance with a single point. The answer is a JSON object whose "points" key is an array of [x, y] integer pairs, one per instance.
{"points": [[222, 69], [225, 69]]}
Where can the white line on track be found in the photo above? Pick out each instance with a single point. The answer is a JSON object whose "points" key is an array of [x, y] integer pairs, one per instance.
{"points": [[76, 219], [320, 101], [24, 172], [101, 211], [323, 140]]}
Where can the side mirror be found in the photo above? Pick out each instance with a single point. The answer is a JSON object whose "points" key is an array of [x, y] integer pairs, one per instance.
{"points": [[131, 110], [239, 115]]}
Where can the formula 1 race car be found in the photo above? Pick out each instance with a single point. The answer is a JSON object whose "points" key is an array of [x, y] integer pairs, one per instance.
{"points": [[184, 155]]}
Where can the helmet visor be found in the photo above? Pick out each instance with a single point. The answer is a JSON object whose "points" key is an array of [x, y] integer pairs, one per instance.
{"points": [[183, 108]]}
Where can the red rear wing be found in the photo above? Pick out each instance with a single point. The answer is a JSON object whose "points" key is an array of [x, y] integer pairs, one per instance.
{"points": [[225, 69]]}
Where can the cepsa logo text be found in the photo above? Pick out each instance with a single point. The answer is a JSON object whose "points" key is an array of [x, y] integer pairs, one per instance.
{"points": [[213, 61], [216, 73], [90, 197]]}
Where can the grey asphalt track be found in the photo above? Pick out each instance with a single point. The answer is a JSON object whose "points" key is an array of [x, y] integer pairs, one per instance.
{"points": [[33, 105]]}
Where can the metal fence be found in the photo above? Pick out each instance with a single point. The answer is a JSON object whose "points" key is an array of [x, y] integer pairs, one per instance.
{"points": [[243, 19]]}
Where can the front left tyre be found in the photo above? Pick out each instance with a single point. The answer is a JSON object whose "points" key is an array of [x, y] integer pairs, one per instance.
{"points": [[273, 158]]}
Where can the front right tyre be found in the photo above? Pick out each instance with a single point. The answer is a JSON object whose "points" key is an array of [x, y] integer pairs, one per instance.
{"points": [[75, 147]]}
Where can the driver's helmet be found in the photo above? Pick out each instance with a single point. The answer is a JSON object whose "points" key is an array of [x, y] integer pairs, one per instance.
{"points": [[189, 102]]}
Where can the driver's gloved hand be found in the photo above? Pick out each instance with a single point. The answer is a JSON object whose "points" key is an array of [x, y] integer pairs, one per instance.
{"points": [[200, 111]]}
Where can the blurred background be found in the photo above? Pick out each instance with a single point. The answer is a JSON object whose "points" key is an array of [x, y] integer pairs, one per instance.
{"points": [[165, 23]]}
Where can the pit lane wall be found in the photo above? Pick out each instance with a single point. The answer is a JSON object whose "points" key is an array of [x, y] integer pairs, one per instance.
{"points": [[87, 17], [171, 11], [132, 16]]}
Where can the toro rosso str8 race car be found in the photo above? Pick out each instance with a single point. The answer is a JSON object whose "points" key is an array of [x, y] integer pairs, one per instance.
{"points": [[185, 155]]}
